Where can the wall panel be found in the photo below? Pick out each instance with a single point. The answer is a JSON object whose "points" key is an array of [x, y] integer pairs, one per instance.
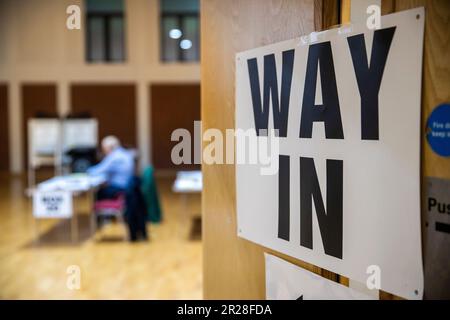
{"points": [[114, 105], [37, 99], [173, 106]]}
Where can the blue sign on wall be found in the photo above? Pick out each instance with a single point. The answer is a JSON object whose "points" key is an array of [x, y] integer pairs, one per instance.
{"points": [[438, 130]]}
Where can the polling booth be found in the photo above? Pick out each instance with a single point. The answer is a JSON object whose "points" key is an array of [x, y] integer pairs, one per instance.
{"points": [[44, 146], [343, 102], [68, 145], [79, 145]]}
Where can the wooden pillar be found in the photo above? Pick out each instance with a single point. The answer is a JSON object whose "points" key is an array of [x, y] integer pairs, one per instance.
{"points": [[233, 267]]}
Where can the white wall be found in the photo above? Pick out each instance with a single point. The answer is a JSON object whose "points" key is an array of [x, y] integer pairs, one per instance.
{"points": [[36, 46]]}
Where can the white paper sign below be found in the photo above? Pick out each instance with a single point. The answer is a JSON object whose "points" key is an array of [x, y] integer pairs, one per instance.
{"points": [[347, 108], [286, 281], [52, 204]]}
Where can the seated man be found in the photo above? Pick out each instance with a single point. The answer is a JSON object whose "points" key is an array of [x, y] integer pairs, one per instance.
{"points": [[117, 167]]}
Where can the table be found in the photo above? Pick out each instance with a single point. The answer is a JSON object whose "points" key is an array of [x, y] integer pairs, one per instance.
{"points": [[75, 184], [187, 182]]}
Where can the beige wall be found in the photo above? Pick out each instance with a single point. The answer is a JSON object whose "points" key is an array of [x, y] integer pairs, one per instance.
{"points": [[36, 46]]}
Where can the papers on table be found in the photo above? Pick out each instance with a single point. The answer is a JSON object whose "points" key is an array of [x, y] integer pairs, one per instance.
{"points": [[72, 183], [188, 181]]}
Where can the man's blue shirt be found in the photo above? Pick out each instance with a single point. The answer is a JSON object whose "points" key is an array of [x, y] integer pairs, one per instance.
{"points": [[117, 168]]}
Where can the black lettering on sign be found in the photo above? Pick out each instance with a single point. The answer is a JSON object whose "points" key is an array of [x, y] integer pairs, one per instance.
{"points": [[330, 221], [369, 77], [441, 207], [280, 106], [431, 203], [52, 202], [328, 113], [283, 198], [320, 62], [442, 227]]}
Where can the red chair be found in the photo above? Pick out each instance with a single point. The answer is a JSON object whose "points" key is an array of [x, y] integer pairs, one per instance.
{"points": [[110, 208]]}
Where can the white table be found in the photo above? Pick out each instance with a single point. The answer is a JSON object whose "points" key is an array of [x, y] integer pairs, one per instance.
{"points": [[186, 183], [75, 184]]}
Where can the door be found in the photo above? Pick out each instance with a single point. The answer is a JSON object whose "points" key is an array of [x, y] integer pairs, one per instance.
{"points": [[233, 267]]}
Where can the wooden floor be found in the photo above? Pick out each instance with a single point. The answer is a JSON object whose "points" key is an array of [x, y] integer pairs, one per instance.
{"points": [[168, 266]]}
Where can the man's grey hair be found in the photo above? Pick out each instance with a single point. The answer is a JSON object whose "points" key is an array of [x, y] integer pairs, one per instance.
{"points": [[110, 142]]}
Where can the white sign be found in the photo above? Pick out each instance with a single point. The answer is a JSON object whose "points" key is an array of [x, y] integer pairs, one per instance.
{"points": [[346, 104], [52, 204], [286, 281]]}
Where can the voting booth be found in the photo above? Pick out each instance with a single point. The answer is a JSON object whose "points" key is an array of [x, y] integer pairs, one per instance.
{"points": [[79, 145], [50, 141], [44, 146]]}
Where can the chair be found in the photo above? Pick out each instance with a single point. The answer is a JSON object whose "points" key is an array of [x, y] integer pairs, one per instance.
{"points": [[110, 208]]}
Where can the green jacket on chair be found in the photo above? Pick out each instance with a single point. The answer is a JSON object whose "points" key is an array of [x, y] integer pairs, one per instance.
{"points": [[150, 192]]}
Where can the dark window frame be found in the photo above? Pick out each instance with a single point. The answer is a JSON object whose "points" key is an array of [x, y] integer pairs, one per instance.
{"points": [[106, 20], [163, 38]]}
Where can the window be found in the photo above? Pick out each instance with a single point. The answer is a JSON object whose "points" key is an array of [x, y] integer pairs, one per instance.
{"points": [[105, 36], [180, 37]]}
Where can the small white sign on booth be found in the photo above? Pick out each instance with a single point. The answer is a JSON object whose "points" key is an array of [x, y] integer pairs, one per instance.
{"points": [[286, 281], [52, 204]]}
